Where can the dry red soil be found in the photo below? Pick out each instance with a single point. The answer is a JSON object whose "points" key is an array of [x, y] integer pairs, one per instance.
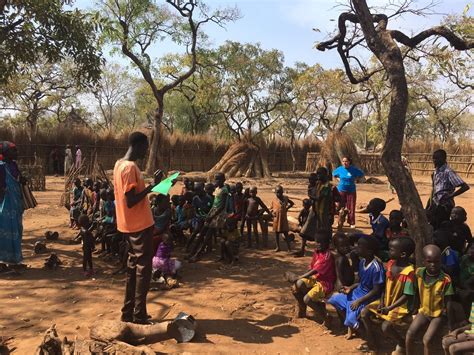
{"points": [[242, 309]]}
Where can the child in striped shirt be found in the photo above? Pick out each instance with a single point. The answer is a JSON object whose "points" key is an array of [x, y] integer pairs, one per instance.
{"points": [[435, 291], [396, 303]]}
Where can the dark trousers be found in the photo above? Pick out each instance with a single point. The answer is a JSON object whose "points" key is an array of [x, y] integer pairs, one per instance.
{"points": [[140, 257], [87, 259], [55, 167]]}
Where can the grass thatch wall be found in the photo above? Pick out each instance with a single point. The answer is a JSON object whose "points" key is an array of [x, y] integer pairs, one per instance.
{"points": [[180, 152]]}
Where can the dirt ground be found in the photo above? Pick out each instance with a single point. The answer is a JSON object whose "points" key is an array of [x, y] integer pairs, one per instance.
{"points": [[244, 309]]}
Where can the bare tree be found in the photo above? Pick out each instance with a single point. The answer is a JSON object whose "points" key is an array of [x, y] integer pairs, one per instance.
{"points": [[137, 25], [384, 44]]}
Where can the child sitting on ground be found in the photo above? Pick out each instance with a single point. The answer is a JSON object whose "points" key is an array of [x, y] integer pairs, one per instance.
{"points": [[435, 290], [279, 208], [344, 270], [188, 186], [162, 261], [230, 241], [395, 305], [88, 245], [395, 228], [350, 302], [311, 288], [75, 210]]}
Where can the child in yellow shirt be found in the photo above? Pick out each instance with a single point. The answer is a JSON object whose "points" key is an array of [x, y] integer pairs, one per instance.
{"points": [[396, 302], [434, 290]]}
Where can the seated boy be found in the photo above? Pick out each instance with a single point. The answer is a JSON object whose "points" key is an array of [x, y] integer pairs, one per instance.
{"points": [[230, 241], [378, 221], [350, 302], [311, 288], [344, 270], [462, 236], [395, 305], [459, 341], [435, 290], [449, 258], [395, 225], [466, 279]]}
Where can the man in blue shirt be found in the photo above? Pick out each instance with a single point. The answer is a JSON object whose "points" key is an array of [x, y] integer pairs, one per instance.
{"points": [[347, 174]]}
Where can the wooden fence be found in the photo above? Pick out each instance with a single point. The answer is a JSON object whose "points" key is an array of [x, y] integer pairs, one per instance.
{"points": [[419, 163]]}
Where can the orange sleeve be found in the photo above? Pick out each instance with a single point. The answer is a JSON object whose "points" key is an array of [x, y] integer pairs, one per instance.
{"points": [[129, 178]]}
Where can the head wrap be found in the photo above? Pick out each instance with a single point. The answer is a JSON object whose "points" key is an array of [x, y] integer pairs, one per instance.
{"points": [[4, 147]]}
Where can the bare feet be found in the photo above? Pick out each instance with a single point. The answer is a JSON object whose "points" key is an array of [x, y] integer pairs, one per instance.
{"points": [[350, 334]]}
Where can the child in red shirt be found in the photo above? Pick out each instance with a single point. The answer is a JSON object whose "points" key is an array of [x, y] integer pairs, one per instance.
{"points": [[311, 288]]}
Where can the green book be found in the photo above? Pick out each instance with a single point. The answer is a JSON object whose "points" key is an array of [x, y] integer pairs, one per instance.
{"points": [[165, 185]]}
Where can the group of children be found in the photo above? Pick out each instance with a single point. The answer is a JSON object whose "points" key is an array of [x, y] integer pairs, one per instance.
{"points": [[200, 218], [389, 290], [367, 278], [92, 211]]}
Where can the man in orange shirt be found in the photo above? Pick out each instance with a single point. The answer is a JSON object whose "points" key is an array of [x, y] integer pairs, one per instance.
{"points": [[135, 220]]}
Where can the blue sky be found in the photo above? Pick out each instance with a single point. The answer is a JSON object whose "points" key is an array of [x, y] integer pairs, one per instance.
{"points": [[287, 25]]}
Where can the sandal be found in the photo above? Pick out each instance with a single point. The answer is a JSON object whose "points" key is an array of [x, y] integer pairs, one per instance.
{"points": [[363, 348]]}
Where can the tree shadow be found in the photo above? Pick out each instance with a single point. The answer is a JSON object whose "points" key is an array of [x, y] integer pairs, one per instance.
{"points": [[247, 330]]}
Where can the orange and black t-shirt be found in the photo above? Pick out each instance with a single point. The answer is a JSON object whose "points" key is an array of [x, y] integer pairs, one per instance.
{"points": [[127, 176]]}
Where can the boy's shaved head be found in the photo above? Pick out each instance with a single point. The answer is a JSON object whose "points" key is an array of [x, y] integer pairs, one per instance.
{"points": [[431, 250]]}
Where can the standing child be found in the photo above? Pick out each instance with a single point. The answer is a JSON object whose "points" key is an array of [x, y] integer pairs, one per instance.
{"points": [[202, 204], [320, 216], [435, 291], [344, 270], [303, 216], [254, 208], [350, 302], [88, 197], [87, 245], [311, 288], [216, 218], [279, 208], [75, 210], [395, 305]]}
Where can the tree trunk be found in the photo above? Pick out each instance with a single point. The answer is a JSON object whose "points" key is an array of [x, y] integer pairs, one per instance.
{"points": [[154, 158], [389, 54], [292, 151]]}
